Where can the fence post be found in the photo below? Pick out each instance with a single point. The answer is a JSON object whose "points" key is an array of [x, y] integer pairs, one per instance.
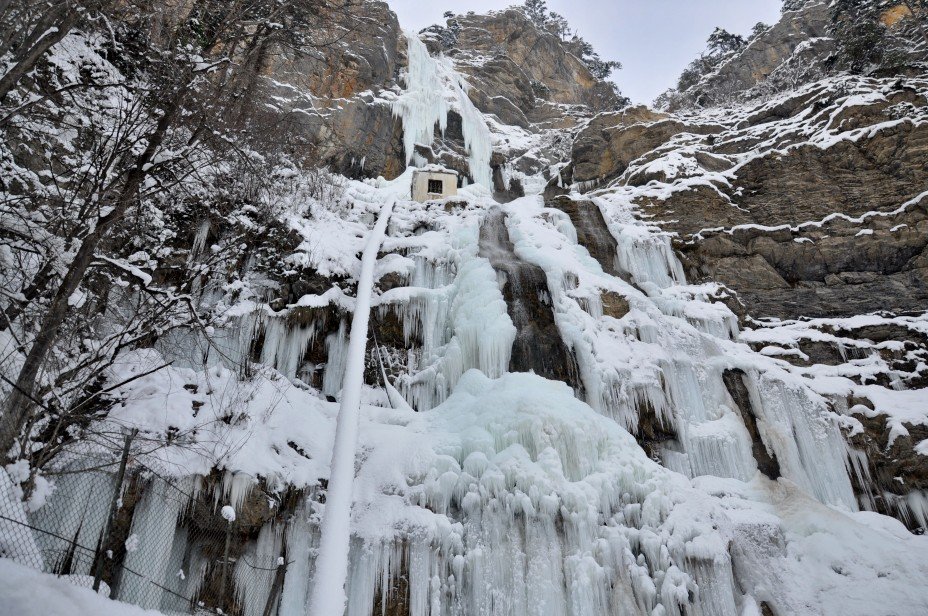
{"points": [[117, 492], [225, 565], [270, 608]]}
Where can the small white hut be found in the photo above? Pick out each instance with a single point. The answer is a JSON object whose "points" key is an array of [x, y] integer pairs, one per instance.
{"points": [[434, 182]]}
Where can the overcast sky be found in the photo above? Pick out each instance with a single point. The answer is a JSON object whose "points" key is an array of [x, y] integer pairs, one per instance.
{"points": [[653, 39]]}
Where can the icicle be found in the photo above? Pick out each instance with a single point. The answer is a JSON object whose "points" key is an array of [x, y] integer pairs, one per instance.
{"points": [[77, 510], [154, 525], [807, 443], [234, 490], [334, 374], [285, 345], [713, 575], [913, 507], [255, 570], [302, 538], [199, 240], [648, 258]]}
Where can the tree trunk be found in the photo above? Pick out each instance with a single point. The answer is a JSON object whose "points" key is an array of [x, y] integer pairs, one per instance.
{"points": [[45, 37], [20, 400]]}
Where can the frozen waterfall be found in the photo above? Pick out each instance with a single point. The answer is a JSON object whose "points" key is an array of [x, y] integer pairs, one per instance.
{"points": [[674, 473], [433, 88]]}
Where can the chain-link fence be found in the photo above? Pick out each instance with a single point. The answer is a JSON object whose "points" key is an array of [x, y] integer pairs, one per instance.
{"points": [[115, 524]]}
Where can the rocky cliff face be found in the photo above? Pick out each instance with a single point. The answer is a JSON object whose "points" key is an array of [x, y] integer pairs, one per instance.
{"points": [[805, 208], [808, 205], [789, 53], [525, 77], [338, 99], [519, 71]]}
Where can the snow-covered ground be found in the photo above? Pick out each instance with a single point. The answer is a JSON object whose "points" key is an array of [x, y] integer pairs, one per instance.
{"points": [[27, 592]]}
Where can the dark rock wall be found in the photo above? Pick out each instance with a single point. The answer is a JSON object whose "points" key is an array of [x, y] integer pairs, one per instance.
{"points": [[538, 347]]}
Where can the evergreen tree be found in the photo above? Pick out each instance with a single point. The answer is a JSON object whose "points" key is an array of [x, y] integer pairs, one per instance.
{"points": [[446, 35], [721, 45], [558, 25], [724, 43], [537, 10], [759, 29], [793, 5]]}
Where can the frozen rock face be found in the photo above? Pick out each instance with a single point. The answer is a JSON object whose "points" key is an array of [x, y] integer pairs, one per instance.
{"points": [[339, 96], [809, 205], [566, 407], [611, 141], [538, 346], [841, 227]]}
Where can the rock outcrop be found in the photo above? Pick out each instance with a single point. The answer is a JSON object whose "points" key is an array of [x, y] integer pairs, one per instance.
{"points": [[518, 70], [338, 98], [810, 205], [609, 143], [793, 45]]}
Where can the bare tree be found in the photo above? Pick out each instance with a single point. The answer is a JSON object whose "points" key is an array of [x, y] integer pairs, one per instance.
{"points": [[186, 88]]}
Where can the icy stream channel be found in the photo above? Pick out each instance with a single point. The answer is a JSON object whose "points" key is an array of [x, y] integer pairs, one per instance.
{"points": [[538, 346]]}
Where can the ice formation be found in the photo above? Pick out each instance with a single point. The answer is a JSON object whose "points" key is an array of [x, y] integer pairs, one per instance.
{"points": [[332, 565], [503, 493], [433, 88]]}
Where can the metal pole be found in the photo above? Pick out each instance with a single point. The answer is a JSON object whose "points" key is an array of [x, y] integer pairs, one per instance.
{"points": [[225, 565], [273, 599], [117, 492]]}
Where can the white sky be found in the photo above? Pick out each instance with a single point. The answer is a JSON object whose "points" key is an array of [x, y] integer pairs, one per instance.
{"points": [[653, 39]]}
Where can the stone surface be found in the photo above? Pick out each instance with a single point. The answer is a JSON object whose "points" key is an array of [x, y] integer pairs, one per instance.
{"points": [[802, 229], [538, 346], [592, 231], [504, 52], [615, 305], [894, 469], [737, 388], [611, 141], [334, 96], [784, 43]]}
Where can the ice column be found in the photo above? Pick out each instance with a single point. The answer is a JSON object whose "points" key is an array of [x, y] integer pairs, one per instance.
{"points": [[154, 525]]}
